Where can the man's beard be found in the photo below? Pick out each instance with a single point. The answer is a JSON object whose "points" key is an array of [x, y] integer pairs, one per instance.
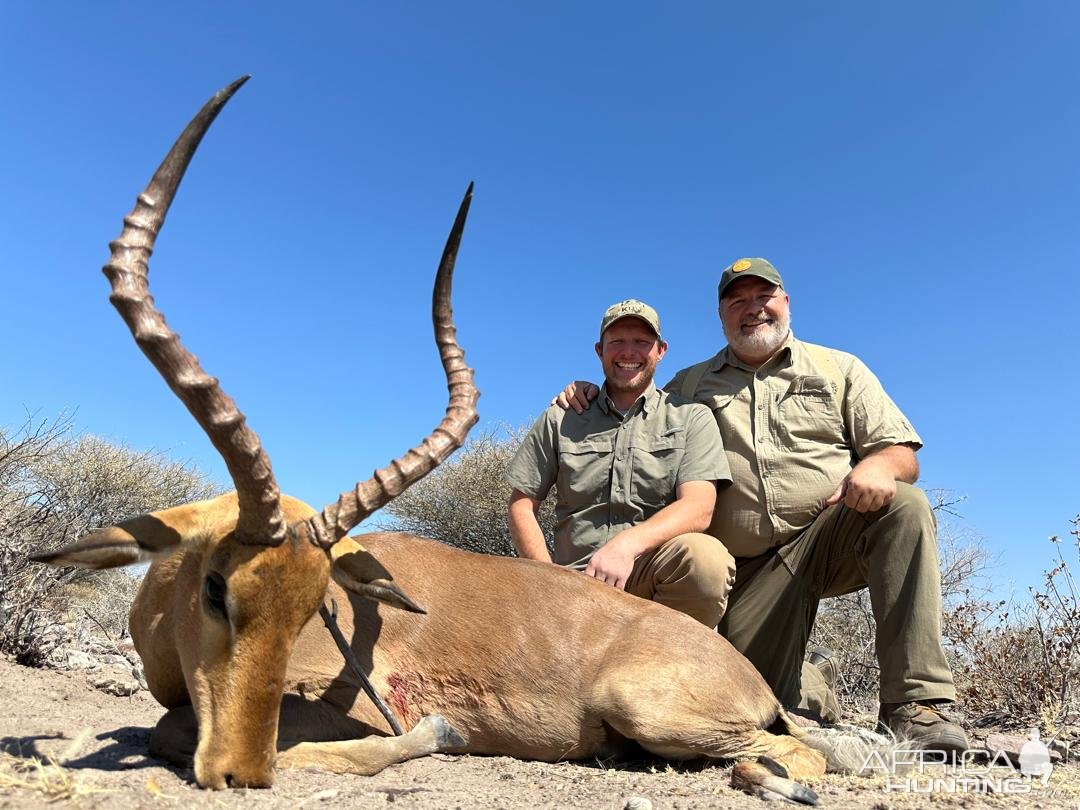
{"points": [[763, 342], [638, 383]]}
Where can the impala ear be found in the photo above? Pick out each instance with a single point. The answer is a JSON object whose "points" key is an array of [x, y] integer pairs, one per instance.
{"points": [[356, 570], [132, 541], [139, 539]]}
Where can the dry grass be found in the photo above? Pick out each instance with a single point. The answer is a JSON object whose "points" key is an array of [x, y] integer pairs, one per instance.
{"points": [[46, 777], [54, 487]]}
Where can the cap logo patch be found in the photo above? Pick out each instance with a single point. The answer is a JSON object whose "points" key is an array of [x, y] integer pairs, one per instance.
{"points": [[630, 306], [740, 265]]}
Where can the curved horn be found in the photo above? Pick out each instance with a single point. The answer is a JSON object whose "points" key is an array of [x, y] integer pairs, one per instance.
{"points": [[260, 521], [354, 505]]}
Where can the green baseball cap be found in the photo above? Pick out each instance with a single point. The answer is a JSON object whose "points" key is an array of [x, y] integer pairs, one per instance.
{"points": [[630, 308], [748, 267]]}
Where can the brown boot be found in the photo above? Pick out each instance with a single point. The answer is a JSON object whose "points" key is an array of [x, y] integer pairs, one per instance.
{"points": [[923, 724]]}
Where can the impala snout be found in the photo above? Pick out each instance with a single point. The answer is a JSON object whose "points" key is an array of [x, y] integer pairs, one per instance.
{"points": [[222, 769]]}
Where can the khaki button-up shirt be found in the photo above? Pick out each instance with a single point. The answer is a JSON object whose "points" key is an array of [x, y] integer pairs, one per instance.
{"points": [[791, 433], [612, 472]]}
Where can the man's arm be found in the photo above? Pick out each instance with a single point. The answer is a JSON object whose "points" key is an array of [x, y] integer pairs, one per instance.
{"points": [[691, 511], [871, 485], [525, 529]]}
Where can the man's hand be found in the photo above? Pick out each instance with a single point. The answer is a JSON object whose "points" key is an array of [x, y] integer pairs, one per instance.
{"points": [[872, 484], [577, 395], [611, 563]]}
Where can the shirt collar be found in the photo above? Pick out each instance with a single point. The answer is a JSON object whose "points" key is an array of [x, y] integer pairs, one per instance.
{"points": [[649, 399]]}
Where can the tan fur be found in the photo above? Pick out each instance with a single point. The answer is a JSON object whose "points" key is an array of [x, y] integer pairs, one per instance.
{"points": [[524, 659]]}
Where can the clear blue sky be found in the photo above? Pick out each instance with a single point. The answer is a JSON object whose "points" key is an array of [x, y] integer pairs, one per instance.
{"points": [[912, 169]]}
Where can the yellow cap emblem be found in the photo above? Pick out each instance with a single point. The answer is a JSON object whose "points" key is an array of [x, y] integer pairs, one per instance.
{"points": [[740, 265]]}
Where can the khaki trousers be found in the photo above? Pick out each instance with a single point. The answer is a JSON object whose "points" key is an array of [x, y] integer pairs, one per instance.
{"points": [[893, 551], [691, 573]]}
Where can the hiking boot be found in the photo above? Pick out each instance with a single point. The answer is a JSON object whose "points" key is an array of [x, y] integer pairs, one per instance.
{"points": [[923, 724], [825, 660]]}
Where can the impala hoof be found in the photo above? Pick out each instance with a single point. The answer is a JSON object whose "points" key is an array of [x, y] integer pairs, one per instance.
{"points": [[446, 736]]}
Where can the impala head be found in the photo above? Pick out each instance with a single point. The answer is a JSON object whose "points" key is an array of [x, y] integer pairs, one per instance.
{"points": [[261, 560]]}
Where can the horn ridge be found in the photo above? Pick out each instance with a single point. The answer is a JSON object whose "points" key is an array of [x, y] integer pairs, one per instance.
{"points": [[261, 520], [352, 506]]}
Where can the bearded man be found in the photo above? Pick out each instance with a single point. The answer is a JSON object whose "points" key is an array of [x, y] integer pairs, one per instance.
{"points": [[822, 505], [635, 476]]}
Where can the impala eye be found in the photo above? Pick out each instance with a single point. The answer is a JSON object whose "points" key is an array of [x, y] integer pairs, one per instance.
{"points": [[214, 595]]}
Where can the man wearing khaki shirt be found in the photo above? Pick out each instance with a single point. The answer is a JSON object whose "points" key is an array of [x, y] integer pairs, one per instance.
{"points": [[822, 504], [636, 480]]}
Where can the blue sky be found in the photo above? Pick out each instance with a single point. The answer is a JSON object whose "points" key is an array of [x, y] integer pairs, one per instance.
{"points": [[912, 169]]}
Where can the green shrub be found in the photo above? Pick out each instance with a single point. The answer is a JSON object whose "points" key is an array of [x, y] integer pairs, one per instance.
{"points": [[463, 502]]}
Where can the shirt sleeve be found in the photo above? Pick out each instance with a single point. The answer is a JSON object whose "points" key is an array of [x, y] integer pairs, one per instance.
{"points": [[874, 421], [535, 465], [704, 458]]}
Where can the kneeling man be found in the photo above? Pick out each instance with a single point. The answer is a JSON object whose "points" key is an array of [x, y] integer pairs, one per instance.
{"points": [[636, 480]]}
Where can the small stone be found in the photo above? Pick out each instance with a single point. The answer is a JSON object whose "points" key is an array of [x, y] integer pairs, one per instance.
{"points": [[77, 659], [638, 803], [113, 685]]}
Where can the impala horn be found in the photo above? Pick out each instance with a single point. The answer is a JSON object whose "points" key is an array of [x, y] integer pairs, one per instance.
{"points": [[261, 521]]}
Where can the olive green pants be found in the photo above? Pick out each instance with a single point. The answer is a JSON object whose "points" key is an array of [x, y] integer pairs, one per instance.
{"points": [[893, 551], [691, 573]]}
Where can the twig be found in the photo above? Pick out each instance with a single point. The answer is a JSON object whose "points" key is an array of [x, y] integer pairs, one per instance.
{"points": [[93, 618], [329, 618]]}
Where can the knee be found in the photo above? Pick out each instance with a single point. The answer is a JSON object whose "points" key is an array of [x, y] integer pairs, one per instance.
{"points": [[907, 522], [706, 560], [910, 508], [910, 498]]}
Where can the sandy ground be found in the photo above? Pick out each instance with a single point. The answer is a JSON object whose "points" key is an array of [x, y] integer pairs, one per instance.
{"points": [[101, 742]]}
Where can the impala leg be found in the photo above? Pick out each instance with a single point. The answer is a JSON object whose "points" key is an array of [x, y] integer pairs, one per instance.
{"points": [[175, 737], [369, 755]]}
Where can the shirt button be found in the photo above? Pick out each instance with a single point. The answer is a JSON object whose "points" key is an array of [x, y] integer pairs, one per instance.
{"points": [[761, 407]]}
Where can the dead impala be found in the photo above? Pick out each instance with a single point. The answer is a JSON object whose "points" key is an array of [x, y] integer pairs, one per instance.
{"points": [[226, 621]]}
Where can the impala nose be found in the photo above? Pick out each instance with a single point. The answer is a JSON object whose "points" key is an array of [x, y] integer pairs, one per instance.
{"points": [[229, 772], [264, 780]]}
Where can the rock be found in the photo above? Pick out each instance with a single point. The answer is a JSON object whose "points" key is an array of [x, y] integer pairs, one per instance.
{"points": [[114, 683], [77, 659], [1010, 745], [1062, 749], [638, 803]]}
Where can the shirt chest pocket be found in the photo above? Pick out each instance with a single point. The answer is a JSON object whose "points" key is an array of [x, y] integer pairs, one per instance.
{"points": [[809, 412], [655, 462], [585, 471]]}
